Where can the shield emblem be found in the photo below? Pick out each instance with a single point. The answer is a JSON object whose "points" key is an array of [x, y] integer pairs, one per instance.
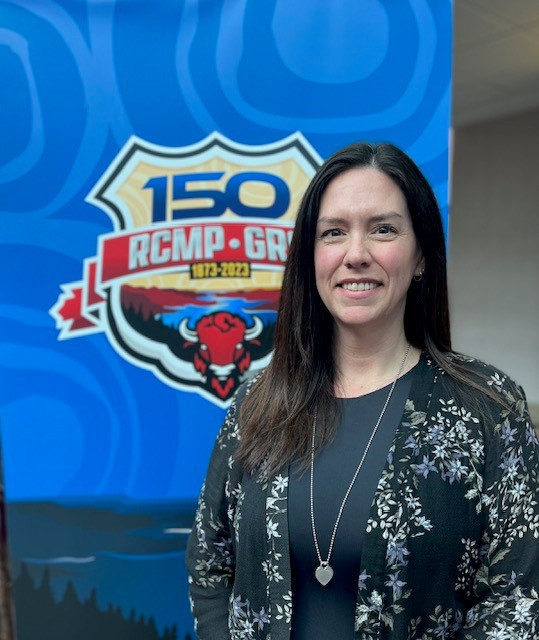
{"points": [[187, 284]]}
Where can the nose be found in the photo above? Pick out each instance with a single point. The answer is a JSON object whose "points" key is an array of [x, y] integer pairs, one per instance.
{"points": [[357, 252]]}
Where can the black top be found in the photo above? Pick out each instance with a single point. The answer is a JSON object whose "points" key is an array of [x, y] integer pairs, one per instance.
{"points": [[321, 612]]}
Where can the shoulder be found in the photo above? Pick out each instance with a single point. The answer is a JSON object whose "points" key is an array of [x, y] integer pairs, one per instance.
{"points": [[244, 389], [494, 412], [229, 432], [500, 385], [475, 365]]}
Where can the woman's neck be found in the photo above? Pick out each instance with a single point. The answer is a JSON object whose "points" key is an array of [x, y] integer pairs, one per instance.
{"points": [[364, 365]]}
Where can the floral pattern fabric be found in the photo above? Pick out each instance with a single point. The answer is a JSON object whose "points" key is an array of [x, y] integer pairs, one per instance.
{"points": [[451, 549]]}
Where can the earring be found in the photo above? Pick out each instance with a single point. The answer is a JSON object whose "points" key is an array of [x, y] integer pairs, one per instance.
{"points": [[418, 276]]}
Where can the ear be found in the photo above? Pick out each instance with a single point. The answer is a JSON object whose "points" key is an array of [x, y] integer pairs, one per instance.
{"points": [[420, 266]]}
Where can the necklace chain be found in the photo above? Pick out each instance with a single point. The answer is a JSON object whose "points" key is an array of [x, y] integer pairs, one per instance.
{"points": [[324, 572]]}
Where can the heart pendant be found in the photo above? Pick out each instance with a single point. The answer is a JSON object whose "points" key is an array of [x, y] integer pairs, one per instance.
{"points": [[323, 574]]}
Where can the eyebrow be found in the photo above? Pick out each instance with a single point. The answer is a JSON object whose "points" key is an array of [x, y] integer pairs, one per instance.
{"points": [[379, 217]]}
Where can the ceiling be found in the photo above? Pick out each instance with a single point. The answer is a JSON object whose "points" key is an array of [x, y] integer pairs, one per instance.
{"points": [[496, 59]]}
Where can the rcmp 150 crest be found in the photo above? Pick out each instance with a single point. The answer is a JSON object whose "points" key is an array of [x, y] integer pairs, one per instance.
{"points": [[187, 283]]}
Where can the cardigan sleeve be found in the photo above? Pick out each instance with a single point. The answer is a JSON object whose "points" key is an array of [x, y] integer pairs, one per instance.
{"points": [[210, 557], [507, 581]]}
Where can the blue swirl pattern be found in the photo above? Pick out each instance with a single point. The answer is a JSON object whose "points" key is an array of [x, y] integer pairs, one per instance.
{"points": [[84, 76]]}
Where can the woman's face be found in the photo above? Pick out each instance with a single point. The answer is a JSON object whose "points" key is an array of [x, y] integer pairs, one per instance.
{"points": [[366, 253]]}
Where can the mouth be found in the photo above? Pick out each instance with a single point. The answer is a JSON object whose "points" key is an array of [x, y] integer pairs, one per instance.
{"points": [[359, 286]]}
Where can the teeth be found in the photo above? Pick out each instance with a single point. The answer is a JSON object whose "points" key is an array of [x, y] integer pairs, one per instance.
{"points": [[359, 286]]}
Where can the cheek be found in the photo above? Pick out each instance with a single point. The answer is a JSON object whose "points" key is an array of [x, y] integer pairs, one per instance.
{"points": [[398, 264], [325, 262], [323, 270]]}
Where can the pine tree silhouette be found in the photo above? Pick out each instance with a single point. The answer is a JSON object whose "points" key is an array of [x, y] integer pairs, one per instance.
{"points": [[66, 614], [91, 618], [70, 598], [24, 582], [45, 588], [40, 617], [23, 591], [45, 603]]}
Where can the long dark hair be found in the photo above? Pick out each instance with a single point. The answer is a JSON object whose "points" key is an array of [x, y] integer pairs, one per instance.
{"points": [[277, 414]]}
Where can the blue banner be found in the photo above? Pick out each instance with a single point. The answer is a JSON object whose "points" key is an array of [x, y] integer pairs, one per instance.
{"points": [[153, 157]]}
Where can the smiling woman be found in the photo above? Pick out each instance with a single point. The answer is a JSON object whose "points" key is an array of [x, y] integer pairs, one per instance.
{"points": [[365, 255], [420, 459]]}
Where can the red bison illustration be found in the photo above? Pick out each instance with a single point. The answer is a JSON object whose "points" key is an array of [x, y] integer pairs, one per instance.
{"points": [[222, 355]]}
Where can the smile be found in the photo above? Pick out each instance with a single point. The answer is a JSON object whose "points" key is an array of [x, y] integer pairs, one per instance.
{"points": [[360, 286]]}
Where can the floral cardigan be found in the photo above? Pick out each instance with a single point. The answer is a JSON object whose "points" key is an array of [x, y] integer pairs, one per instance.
{"points": [[451, 549]]}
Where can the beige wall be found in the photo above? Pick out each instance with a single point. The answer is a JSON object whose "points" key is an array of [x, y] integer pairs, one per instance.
{"points": [[494, 247]]}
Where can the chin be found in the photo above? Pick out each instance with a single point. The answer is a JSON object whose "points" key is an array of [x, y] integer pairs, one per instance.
{"points": [[351, 321]]}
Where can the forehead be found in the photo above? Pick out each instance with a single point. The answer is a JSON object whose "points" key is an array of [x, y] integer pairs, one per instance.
{"points": [[362, 190]]}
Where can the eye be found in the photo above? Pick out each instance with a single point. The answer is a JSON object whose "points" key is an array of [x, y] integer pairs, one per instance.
{"points": [[385, 229], [331, 233]]}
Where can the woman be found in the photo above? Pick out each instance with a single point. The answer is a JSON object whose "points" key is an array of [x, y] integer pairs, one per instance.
{"points": [[370, 483]]}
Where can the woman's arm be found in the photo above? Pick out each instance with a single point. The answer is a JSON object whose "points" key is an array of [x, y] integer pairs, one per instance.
{"points": [[210, 555], [507, 582]]}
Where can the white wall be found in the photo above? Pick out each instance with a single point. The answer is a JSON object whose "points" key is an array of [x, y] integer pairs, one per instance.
{"points": [[494, 247]]}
